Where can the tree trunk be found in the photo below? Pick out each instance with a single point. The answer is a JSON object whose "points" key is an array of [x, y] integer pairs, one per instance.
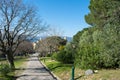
{"points": [[10, 59]]}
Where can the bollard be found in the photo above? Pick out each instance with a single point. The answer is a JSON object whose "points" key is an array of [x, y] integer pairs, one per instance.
{"points": [[72, 73]]}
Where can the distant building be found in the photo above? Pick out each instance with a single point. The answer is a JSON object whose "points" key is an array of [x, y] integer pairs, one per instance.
{"points": [[65, 38]]}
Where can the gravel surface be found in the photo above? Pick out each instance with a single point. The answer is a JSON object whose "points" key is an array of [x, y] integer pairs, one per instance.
{"points": [[35, 70]]}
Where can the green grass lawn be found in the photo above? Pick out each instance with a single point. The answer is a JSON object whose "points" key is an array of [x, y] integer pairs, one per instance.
{"points": [[63, 71], [19, 61]]}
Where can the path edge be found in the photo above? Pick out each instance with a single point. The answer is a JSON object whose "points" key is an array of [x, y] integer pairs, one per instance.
{"points": [[53, 75]]}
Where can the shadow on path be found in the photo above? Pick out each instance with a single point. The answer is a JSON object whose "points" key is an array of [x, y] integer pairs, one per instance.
{"points": [[34, 71]]}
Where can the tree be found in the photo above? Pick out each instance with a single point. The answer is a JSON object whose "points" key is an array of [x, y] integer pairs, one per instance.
{"points": [[50, 44], [76, 37], [102, 12], [66, 55], [88, 54], [18, 22], [25, 48], [99, 45], [105, 15]]}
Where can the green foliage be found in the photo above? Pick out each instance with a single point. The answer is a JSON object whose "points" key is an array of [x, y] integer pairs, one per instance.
{"points": [[4, 69], [77, 37], [54, 56], [99, 48], [48, 55], [50, 45], [111, 52], [65, 56], [87, 53], [61, 56], [70, 52], [102, 12], [99, 45], [58, 68]]}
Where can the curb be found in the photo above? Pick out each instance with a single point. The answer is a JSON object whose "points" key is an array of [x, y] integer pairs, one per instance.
{"points": [[53, 75]]}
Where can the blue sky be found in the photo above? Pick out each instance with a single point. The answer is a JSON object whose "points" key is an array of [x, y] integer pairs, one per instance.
{"points": [[66, 15]]}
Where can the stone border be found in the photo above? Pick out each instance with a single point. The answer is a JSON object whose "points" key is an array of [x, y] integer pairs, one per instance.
{"points": [[53, 75]]}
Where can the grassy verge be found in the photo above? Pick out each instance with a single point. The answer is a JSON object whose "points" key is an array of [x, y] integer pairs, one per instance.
{"points": [[63, 71], [19, 61]]}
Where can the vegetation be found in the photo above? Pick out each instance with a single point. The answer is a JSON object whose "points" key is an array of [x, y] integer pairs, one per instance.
{"points": [[24, 48], [66, 55], [63, 71], [18, 23], [58, 68], [50, 45], [95, 47], [5, 71], [98, 45]]}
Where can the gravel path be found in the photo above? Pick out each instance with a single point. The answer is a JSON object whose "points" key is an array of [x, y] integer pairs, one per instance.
{"points": [[35, 71]]}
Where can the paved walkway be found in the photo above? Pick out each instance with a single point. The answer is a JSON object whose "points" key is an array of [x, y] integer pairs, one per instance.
{"points": [[35, 71]]}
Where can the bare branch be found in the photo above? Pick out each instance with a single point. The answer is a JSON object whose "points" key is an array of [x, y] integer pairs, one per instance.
{"points": [[18, 22]]}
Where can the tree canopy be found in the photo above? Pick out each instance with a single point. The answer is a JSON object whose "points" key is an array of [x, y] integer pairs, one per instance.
{"points": [[50, 44], [18, 22], [98, 46]]}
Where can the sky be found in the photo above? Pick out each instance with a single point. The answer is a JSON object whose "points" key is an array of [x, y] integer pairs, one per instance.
{"points": [[66, 16]]}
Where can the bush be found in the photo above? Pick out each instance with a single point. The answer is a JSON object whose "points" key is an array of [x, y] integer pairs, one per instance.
{"points": [[4, 69], [54, 56], [48, 55], [70, 52], [66, 55], [63, 56], [88, 58]]}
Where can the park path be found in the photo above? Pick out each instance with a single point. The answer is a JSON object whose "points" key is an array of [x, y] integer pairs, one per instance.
{"points": [[35, 70]]}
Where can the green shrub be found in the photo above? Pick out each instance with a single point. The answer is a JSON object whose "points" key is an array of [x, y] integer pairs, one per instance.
{"points": [[54, 56], [48, 55], [63, 56], [4, 69], [67, 55], [59, 56]]}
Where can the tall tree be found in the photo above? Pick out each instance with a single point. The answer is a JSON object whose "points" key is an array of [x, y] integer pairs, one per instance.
{"points": [[102, 12], [99, 45], [18, 22]]}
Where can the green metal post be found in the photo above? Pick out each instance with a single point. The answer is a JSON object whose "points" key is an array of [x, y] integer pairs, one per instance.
{"points": [[72, 73]]}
